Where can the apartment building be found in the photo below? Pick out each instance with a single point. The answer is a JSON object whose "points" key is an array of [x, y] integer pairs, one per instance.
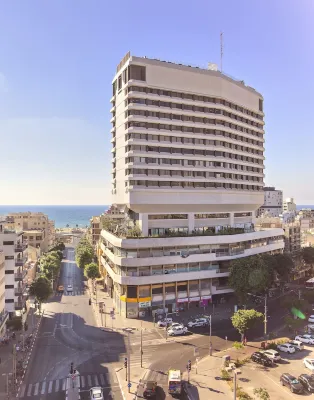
{"points": [[38, 229], [289, 205], [95, 227], [15, 257], [3, 313], [188, 166], [273, 203]]}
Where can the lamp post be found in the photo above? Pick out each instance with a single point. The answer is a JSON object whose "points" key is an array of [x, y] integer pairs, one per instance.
{"points": [[265, 309]]}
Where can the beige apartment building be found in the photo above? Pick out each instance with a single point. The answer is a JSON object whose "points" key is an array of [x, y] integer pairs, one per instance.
{"points": [[95, 227], [188, 168], [38, 230], [3, 313]]}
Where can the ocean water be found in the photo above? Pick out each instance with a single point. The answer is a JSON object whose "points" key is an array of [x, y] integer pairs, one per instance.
{"points": [[62, 215]]}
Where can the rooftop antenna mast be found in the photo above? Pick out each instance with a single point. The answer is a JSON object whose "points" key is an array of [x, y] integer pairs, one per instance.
{"points": [[221, 49]]}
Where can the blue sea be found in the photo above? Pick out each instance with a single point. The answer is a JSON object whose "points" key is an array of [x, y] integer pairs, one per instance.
{"points": [[62, 215]]}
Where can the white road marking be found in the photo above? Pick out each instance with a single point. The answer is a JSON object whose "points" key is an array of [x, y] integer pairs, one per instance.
{"points": [[36, 389], [43, 387], [89, 380], [29, 390], [96, 380], [50, 387], [276, 383], [57, 385], [102, 379], [82, 381], [64, 383], [22, 390]]}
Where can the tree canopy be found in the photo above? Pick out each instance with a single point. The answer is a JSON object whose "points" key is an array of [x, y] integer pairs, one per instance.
{"points": [[50, 264], [84, 253], [41, 288], [308, 255], [91, 271], [243, 320], [58, 245]]}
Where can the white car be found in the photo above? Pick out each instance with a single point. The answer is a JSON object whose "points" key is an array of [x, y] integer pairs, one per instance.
{"points": [[272, 354], [96, 393], [165, 322], [197, 322], [311, 327], [286, 347], [305, 339], [70, 288], [311, 318], [176, 325], [309, 363], [175, 331]]}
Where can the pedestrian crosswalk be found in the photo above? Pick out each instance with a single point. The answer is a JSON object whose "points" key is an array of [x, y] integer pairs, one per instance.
{"points": [[73, 293], [59, 385], [148, 356]]}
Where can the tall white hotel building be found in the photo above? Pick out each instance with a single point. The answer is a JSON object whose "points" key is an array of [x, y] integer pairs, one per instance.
{"points": [[188, 165]]}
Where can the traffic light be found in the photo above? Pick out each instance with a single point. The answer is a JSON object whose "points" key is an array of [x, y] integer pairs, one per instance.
{"points": [[71, 368], [189, 365], [125, 362], [90, 302]]}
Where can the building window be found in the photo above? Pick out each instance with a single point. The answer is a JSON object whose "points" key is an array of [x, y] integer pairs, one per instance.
{"points": [[120, 82], [137, 72], [260, 105], [8, 243], [9, 300], [9, 257], [9, 286], [9, 272]]}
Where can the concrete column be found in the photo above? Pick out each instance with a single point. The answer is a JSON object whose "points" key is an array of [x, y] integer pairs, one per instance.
{"points": [[231, 219], [143, 224], [191, 222]]}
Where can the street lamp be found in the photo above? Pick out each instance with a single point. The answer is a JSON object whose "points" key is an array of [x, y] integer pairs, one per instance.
{"points": [[265, 310]]}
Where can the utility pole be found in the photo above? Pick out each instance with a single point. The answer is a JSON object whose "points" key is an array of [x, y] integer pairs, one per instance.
{"points": [[221, 49], [14, 365], [235, 385], [265, 316], [129, 362], [210, 336], [141, 344], [105, 316]]}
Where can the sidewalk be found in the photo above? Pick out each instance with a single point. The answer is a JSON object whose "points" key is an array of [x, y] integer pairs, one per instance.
{"points": [[137, 376]]}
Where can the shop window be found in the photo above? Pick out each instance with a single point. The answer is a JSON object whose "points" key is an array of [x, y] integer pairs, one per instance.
{"points": [[182, 287], [132, 292], [144, 291], [157, 290], [170, 289]]}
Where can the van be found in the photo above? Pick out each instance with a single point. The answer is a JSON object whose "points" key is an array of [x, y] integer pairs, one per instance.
{"points": [[297, 344]]}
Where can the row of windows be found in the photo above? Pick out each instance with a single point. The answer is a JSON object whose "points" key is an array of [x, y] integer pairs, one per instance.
{"points": [[194, 163], [185, 107], [168, 216], [193, 152], [192, 174], [177, 139], [197, 216], [176, 150], [136, 72], [197, 185], [194, 97], [189, 129]]}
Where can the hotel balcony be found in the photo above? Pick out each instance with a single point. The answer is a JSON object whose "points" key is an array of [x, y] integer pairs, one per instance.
{"points": [[19, 262], [19, 276], [19, 247], [18, 305], [18, 291]]}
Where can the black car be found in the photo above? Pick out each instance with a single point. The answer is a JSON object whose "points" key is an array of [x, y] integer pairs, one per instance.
{"points": [[292, 382], [307, 382], [260, 358], [150, 390]]}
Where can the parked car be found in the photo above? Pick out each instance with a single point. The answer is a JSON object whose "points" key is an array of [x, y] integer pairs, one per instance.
{"points": [[286, 347], [260, 358], [309, 339], [70, 288], [176, 325], [311, 327], [307, 381], [96, 393], [309, 363], [292, 382], [197, 322], [164, 322], [150, 389], [175, 331], [272, 355], [297, 344], [311, 318]]}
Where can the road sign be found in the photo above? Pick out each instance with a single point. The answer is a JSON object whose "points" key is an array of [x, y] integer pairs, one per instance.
{"points": [[129, 384]]}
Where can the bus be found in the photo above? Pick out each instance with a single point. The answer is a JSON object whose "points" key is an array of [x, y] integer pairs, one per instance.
{"points": [[309, 284], [174, 382]]}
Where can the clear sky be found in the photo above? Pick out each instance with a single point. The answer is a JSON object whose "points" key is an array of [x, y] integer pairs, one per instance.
{"points": [[57, 60]]}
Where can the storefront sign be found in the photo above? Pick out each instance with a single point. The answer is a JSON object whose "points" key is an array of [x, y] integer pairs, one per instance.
{"points": [[206, 297], [195, 298], [184, 300], [145, 304]]}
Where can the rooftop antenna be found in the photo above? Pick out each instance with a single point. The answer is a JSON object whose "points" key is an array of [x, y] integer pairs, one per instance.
{"points": [[221, 49]]}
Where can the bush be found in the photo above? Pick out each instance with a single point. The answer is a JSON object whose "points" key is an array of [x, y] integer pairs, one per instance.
{"points": [[225, 376], [237, 345], [242, 395], [239, 363]]}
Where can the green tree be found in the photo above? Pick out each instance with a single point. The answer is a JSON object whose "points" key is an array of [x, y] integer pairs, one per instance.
{"points": [[294, 323], [84, 253], [91, 271], [308, 255], [50, 264], [261, 394], [283, 265], [242, 320], [41, 289], [58, 245], [259, 280]]}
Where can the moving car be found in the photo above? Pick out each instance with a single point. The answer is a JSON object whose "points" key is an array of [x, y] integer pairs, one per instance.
{"points": [[70, 288], [197, 322], [164, 322], [175, 331], [96, 393], [272, 354], [286, 347], [309, 339], [292, 382], [297, 344], [309, 363], [60, 288], [311, 318], [307, 381], [260, 358], [150, 388]]}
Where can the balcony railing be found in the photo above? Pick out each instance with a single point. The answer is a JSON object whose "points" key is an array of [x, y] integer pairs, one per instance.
{"points": [[19, 247], [19, 262], [18, 305], [19, 276], [19, 291], [3, 316]]}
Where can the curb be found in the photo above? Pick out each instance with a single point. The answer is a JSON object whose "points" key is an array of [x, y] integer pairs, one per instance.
{"points": [[117, 370], [29, 355]]}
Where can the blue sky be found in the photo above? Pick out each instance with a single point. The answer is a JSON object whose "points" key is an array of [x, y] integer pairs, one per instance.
{"points": [[57, 60]]}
